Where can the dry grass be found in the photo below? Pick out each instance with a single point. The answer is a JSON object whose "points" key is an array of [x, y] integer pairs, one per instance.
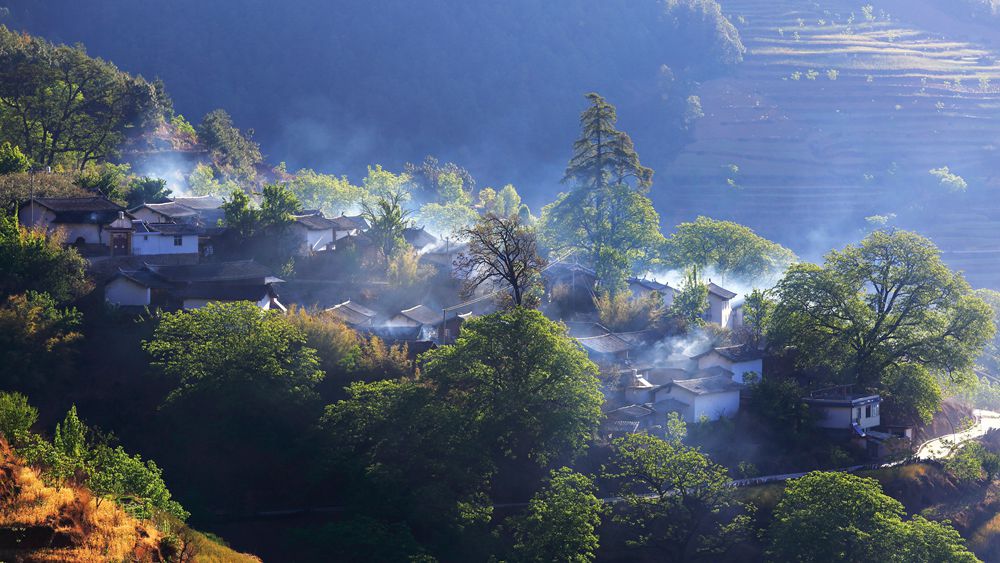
{"points": [[96, 534]]}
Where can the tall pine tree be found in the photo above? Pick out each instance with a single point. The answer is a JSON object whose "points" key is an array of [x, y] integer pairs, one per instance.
{"points": [[603, 154]]}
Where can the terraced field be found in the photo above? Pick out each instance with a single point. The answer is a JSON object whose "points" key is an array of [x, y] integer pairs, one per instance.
{"points": [[837, 116]]}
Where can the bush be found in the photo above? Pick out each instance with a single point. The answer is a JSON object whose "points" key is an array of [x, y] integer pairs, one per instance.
{"points": [[16, 416]]}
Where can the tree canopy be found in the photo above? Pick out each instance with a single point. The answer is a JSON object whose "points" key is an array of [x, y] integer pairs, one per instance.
{"points": [[884, 303], [726, 248], [842, 517], [62, 107], [502, 253], [32, 259]]}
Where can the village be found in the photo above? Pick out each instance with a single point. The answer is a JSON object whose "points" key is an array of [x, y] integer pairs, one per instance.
{"points": [[161, 256]]}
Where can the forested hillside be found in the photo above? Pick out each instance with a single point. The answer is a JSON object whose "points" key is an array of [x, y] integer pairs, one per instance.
{"points": [[336, 86]]}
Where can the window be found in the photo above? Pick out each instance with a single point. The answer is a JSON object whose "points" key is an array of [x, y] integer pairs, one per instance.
{"points": [[178, 241], [145, 237], [868, 411]]}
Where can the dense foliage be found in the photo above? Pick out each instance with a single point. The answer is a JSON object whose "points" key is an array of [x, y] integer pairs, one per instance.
{"points": [[841, 517]]}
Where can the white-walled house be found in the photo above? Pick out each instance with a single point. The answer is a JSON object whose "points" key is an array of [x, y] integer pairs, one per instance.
{"points": [[719, 305], [353, 314], [740, 360], [839, 409], [193, 286], [84, 220], [315, 233], [164, 238], [641, 288], [710, 398]]}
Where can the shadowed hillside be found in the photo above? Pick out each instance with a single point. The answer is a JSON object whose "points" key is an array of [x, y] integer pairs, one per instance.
{"points": [[836, 116]]}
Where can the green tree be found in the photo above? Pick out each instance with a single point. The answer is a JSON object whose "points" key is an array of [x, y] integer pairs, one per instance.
{"points": [[330, 194], [32, 259], [241, 214], [532, 388], [912, 391], [381, 183], [241, 396], [616, 228], [430, 473], [691, 302], [71, 436], [387, 220], [107, 179], [12, 160], [203, 182], [16, 416], [449, 219], [561, 521], [603, 155], [133, 484], [438, 182], [673, 497], [757, 309], [884, 303], [38, 343], [502, 254], [233, 152], [146, 190], [233, 345], [61, 106], [729, 249], [842, 517], [277, 206]]}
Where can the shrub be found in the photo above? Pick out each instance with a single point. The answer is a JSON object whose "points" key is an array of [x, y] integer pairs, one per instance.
{"points": [[16, 416]]}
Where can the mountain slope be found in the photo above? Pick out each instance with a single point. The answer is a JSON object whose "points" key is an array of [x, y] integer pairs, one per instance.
{"points": [[832, 119]]}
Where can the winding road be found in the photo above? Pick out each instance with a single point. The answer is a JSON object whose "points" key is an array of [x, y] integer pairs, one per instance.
{"points": [[940, 448]]}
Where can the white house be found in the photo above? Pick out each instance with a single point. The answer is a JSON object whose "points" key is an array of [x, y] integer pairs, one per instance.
{"points": [[719, 305], [193, 286], [641, 288], [710, 398], [839, 409], [740, 360], [83, 219], [164, 238], [315, 233]]}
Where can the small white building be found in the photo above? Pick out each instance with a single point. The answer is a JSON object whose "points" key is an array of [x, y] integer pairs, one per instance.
{"points": [[201, 210], [719, 305], [84, 220], [642, 288], [709, 398], [193, 286], [839, 409], [164, 238], [315, 233], [740, 360]]}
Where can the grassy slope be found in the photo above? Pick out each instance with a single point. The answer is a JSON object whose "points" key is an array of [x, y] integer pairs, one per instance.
{"points": [[816, 157], [39, 522]]}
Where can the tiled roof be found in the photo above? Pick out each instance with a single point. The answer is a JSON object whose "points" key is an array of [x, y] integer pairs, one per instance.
{"points": [[175, 228], [352, 313], [631, 412], [58, 204], [714, 371], [737, 353], [418, 237], [200, 203], [708, 385], [316, 222], [605, 344], [422, 314], [621, 426], [578, 329], [651, 285], [243, 270], [720, 291], [169, 209], [358, 221]]}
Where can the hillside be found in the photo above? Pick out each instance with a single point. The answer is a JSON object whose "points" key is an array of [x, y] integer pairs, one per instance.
{"points": [[42, 523], [835, 117], [337, 86]]}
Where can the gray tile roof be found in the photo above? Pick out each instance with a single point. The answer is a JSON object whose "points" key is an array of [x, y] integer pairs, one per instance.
{"points": [[605, 344], [422, 314], [709, 385], [720, 291]]}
